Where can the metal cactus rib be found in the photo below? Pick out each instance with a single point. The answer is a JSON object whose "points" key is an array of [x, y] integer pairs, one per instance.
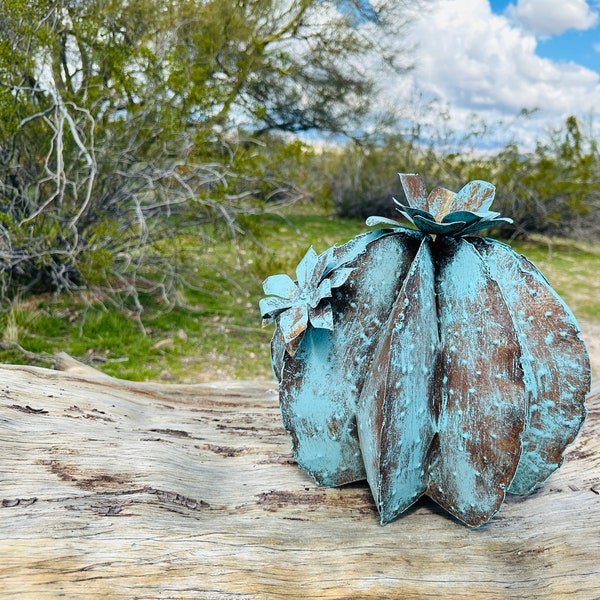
{"points": [[426, 362]]}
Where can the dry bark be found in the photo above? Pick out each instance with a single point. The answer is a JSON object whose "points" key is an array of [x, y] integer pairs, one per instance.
{"points": [[114, 489]]}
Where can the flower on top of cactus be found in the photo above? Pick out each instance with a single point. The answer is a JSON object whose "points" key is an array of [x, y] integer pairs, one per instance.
{"points": [[443, 212]]}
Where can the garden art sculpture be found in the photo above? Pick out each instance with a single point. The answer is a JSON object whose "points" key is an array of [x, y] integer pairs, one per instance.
{"points": [[429, 361]]}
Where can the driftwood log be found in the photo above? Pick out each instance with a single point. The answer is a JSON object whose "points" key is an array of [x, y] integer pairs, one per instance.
{"points": [[114, 489]]}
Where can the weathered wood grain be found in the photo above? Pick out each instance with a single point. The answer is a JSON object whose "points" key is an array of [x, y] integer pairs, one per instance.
{"points": [[112, 489]]}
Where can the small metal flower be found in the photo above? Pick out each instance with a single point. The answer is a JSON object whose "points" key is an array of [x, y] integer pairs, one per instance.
{"points": [[444, 212], [296, 303]]}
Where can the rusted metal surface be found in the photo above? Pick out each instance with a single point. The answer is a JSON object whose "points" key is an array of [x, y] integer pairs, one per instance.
{"points": [[482, 404], [427, 362], [396, 413], [321, 383], [554, 359]]}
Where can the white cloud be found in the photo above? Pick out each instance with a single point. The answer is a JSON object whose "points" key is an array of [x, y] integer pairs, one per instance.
{"points": [[476, 61], [552, 17]]}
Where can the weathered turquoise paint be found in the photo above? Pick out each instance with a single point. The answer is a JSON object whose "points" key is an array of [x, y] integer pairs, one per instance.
{"points": [[554, 360], [321, 383], [442, 365], [482, 400], [395, 413]]}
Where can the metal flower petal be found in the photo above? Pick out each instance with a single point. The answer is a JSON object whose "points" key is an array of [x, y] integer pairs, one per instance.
{"points": [[305, 271], [485, 224], [295, 304], [411, 211], [440, 202], [436, 228], [462, 215], [322, 319], [414, 190], [444, 212], [293, 321], [477, 196], [372, 221], [281, 285], [270, 307]]}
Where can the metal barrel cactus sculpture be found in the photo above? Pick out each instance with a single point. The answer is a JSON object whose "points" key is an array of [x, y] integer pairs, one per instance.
{"points": [[428, 361]]}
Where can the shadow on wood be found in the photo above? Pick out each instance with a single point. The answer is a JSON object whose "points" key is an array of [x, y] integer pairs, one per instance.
{"points": [[113, 489]]}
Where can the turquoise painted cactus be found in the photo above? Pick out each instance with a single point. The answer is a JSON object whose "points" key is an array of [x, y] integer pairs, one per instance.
{"points": [[427, 361]]}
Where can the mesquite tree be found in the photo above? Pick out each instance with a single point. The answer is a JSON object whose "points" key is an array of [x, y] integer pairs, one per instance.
{"points": [[124, 124]]}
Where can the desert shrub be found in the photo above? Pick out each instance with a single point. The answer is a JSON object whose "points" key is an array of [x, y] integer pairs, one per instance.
{"points": [[552, 190]]}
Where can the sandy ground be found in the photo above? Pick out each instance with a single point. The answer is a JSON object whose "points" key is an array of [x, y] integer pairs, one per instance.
{"points": [[590, 331]]}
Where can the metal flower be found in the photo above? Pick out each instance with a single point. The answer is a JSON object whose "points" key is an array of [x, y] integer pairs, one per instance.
{"points": [[296, 303], [443, 212]]}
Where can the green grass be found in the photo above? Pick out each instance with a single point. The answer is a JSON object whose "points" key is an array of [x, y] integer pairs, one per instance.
{"points": [[218, 334]]}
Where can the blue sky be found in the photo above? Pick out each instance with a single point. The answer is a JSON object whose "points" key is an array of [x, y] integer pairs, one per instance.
{"points": [[577, 45], [493, 58]]}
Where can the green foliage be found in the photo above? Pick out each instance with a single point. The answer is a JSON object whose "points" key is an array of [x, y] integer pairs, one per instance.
{"points": [[127, 180], [120, 135], [361, 179], [216, 332], [554, 190]]}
